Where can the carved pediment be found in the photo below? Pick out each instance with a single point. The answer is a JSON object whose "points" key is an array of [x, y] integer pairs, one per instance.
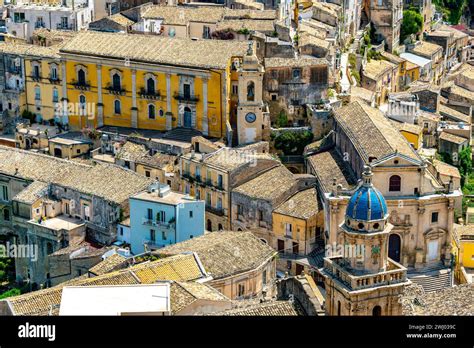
{"points": [[399, 220]]}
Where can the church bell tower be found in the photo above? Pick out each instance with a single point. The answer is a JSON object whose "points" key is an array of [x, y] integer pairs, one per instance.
{"points": [[252, 124]]}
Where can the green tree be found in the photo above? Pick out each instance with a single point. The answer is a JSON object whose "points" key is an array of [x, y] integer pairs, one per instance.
{"points": [[452, 10], [412, 23], [10, 293], [282, 119], [465, 164], [293, 143]]}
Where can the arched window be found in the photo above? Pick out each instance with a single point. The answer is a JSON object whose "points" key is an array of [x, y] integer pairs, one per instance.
{"points": [[251, 91], [117, 107], [395, 183], [116, 82], [219, 227], [150, 86], [151, 112], [81, 77]]}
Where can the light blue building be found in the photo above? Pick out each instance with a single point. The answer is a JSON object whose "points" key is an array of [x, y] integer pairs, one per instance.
{"points": [[160, 217]]}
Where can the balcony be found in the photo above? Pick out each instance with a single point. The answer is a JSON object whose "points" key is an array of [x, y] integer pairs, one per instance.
{"points": [[145, 94], [117, 90], [214, 210], [84, 86], [35, 78], [187, 98], [54, 80], [338, 268], [165, 226], [64, 26], [153, 244], [14, 70]]}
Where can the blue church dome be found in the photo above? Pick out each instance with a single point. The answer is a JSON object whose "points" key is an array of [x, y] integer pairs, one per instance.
{"points": [[367, 203]]}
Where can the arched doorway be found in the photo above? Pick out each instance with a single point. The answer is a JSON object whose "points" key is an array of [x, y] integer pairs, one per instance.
{"points": [[377, 311], [209, 225], [58, 153], [219, 227], [187, 117], [394, 243]]}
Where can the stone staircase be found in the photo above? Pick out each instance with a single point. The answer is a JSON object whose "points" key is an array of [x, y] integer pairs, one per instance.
{"points": [[182, 134], [432, 278]]}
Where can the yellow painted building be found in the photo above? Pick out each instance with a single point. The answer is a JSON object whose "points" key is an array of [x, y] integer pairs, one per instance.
{"points": [[412, 133], [43, 78], [463, 250], [62, 147], [298, 225], [149, 82], [412, 73]]}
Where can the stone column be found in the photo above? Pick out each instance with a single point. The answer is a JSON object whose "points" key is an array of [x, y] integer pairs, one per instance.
{"points": [[420, 241], [64, 114], [134, 99], [205, 121], [169, 114], [100, 105], [447, 255]]}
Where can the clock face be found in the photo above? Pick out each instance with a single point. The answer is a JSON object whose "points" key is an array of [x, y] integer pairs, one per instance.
{"points": [[250, 117]]}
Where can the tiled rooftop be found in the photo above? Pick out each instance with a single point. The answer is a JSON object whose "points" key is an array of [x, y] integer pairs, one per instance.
{"points": [[452, 138], [32, 192], [179, 15], [426, 48], [206, 54], [249, 24], [302, 205], [30, 50], [450, 301], [308, 39], [446, 169], [224, 253], [409, 127], [376, 68], [111, 263], [301, 61], [329, 165], [446, 111], [178, 268], [110, 182], [371, 132], [230, 159], [269, 185], [270, 308]]}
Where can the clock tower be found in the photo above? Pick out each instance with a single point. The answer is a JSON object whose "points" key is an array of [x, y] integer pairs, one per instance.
{"points": [[252, 122]]}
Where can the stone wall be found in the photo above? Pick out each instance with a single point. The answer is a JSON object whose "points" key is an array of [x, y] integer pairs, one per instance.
{"points": [[301, 291]]}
